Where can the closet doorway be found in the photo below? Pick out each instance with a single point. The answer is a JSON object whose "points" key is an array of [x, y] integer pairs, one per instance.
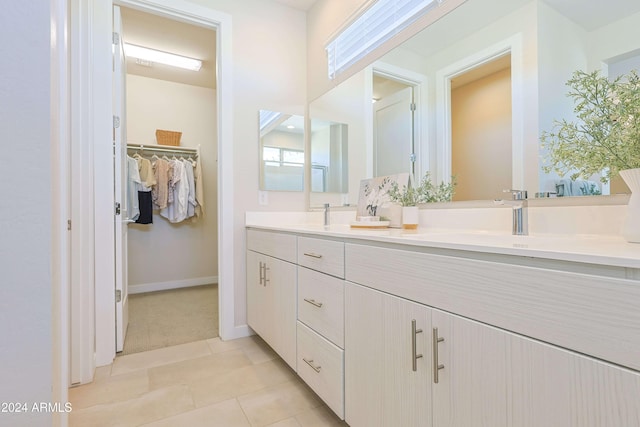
{"points": [[172, 265], [481, 129]]}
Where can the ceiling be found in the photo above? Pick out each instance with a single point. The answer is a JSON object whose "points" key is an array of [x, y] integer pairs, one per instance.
{"points": [[198, 42], [592, 14], [298, 4], [171, 36]]}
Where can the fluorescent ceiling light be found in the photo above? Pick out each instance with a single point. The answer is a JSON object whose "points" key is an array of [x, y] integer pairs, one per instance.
{"points": [[160, 57]]}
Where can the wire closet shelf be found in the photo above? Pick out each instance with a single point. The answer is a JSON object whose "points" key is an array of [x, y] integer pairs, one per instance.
{"points": [[151, 148]]}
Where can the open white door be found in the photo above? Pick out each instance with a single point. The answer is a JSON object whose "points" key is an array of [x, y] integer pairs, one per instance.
{"points": [[120, 185], [393, 134]]}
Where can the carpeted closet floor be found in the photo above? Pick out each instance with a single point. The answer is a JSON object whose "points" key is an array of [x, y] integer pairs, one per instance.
{"points": [[166, 318]]}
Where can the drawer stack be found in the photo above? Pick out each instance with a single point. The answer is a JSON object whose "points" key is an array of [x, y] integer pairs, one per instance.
{"points": [[320, 326]]}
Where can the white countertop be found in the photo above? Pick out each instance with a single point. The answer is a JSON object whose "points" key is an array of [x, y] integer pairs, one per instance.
{"points": [[592, 249]]}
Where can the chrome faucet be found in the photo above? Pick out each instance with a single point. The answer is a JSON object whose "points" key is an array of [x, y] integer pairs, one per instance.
{"points": [[326, 215], [519, 204]]}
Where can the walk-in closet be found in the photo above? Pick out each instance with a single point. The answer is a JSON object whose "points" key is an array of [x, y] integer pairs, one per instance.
{"points": [[172, 246]]}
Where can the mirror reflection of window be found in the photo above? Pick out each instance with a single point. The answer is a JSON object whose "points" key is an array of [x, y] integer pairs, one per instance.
{"points": [[281, 151]]}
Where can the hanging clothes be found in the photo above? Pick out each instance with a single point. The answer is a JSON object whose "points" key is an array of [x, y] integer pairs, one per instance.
{"points": [[199, 188], [176, 210], [191, 197], [159, 191], [148, 180], [133, 180]]}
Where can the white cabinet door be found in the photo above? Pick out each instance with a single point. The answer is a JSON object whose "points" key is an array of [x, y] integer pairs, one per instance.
{"points": [[259, 304], [472, 382], [551, 386], [271, 303], [387, 360], [495, 378]]}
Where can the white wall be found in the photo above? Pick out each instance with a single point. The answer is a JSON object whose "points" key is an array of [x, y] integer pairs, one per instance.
{"points": [[26, 207], [187, 251], [269, 68]]}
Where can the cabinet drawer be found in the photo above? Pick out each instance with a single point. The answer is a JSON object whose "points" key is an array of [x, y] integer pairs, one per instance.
{"points": [[277, 245], [594, 315], [322, 255], [321, 304], [321, 366]]}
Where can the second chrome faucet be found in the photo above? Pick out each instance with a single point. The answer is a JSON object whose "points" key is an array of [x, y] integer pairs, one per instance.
{"points": [[519, 204]]}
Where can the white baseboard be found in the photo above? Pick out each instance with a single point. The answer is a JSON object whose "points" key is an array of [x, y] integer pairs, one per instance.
{"points": [[237, 332], [173, 284]]}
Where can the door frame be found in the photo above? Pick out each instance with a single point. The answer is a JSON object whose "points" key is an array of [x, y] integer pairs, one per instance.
{"points": [[94, 82], [419, 83], [513, 46]]}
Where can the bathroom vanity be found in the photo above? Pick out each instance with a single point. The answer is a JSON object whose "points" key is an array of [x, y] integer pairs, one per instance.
{"points": [[452, 329]]}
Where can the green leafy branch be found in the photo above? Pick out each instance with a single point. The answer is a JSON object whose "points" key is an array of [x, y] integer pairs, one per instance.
{"points": [[425, 192], [606, 134]]}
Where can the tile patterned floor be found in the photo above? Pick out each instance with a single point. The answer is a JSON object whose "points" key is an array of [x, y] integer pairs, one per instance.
{"points": [[205, 383]]}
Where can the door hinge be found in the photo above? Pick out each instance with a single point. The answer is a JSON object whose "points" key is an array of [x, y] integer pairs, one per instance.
{"points": [[116, 122], [413, 106], [68, 225], [116, 38], [117, 206], [118, 295], [412, 157]]}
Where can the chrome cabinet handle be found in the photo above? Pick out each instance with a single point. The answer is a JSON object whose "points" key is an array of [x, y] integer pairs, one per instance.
{"points": [[266, 279], [313, 302], [263, 273], [310, 363], [436, 365], [414, 338], [312, 255]]}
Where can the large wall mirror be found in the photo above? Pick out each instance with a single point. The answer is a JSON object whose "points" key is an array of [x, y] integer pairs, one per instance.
{"points": [[470, 95], [281, 151]]}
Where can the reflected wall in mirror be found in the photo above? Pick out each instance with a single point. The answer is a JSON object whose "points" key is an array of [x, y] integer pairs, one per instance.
{"points": [[281, 151], [542, 41], [329, 156], [347, 104]]}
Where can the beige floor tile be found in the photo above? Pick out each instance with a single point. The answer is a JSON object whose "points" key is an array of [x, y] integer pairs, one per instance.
{"points": [[102, 373], [162, 356], [320, 417], [192, 370], [259, 351], [109, 389], [152, 406], [218, 346], [278, 402], [223, 414], [289, 422], [241, 381]]}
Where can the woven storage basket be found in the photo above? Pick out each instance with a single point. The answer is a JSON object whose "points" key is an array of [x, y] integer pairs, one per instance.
{"points": [[168, 137]]}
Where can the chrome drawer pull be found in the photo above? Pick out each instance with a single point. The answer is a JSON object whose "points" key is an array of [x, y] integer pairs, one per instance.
{"points": [[310, 363], [414, 351], [312, 255], [313, 302], [436, 365]]}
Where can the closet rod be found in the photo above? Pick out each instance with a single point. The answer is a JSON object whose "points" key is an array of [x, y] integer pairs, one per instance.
{"points": [[164, 148]]}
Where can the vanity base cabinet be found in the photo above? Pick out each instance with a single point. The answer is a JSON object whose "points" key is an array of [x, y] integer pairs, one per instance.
{"points": [[387, 360], [271, 303]]}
